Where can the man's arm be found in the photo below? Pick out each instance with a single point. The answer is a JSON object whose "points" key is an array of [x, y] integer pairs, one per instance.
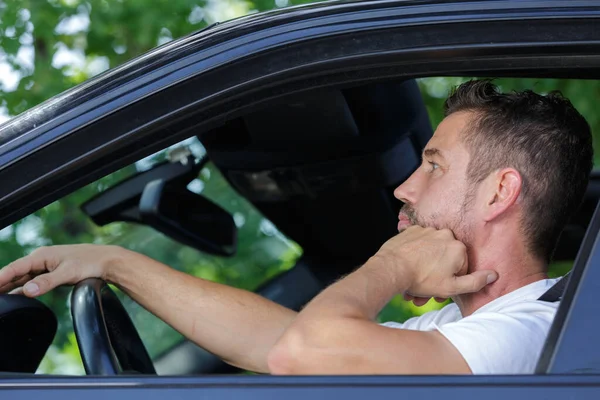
{"points": [[234, 324], [335, 333]]}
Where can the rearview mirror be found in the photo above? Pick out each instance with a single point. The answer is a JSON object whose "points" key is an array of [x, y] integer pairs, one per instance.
{"points": [[188, 218]]}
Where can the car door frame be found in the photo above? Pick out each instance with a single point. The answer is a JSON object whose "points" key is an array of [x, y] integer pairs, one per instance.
{"points": [[233, 68]]}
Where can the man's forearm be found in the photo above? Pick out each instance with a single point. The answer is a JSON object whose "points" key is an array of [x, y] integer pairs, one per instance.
{"points": [[361, 294], [239, 326], [350, 305]]}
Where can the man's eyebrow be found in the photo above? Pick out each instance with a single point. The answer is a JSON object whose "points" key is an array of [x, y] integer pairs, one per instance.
{"points": [[432, 152]]}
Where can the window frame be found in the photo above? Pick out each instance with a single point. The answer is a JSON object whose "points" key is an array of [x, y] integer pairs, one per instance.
{"points": [[276, 55]]}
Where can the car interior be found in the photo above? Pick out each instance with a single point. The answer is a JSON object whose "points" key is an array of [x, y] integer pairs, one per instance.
{"points": [[320, 166]]}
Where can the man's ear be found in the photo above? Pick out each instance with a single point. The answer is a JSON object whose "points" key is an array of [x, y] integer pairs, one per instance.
{"points": [[504, 190]]}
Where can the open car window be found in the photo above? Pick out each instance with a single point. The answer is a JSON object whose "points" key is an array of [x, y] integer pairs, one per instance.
{"points": [[262, 252]]}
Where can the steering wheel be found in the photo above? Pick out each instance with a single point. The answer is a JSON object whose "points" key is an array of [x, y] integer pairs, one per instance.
{"points": [[107, 339]]}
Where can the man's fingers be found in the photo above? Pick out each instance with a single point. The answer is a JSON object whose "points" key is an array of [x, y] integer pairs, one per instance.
{"points": [[474, 282], [35, 263], [18, 290], [38, 286], [43, 283], [13, 272], [420, 301], [17, 282]]}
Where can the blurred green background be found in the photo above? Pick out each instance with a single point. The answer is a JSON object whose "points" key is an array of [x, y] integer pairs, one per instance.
{"points": [[48, 46]]}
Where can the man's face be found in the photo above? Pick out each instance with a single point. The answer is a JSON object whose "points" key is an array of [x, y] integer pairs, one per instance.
{"points": [[435, 195]]}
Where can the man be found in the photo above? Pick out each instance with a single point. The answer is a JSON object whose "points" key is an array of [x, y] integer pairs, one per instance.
{"points": [[498, 181]]}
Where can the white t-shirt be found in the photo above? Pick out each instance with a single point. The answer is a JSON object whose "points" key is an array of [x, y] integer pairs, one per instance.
{"points": [[505, 336]]}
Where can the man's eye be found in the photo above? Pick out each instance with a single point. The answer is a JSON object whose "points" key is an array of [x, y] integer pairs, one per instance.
{"points": [[433, 165]]}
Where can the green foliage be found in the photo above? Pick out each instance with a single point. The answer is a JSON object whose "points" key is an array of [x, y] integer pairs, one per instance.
{"points": [[582, 93], [51, 45], [100, 34]]}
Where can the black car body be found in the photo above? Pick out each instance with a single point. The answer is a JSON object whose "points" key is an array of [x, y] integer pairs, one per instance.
{"points": [[198, 85]]}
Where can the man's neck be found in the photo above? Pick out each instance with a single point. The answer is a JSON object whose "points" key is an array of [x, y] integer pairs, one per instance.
{"points": [[517, 269], [471, 302]]}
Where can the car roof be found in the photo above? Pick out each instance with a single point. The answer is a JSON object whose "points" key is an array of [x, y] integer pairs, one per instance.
{"points": [[26, 125]]}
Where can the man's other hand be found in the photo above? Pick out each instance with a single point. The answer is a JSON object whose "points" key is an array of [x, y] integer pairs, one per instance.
{"points": [[49, 267]]}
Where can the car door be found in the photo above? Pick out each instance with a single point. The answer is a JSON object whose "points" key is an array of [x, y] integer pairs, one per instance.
{"points": [[196, 83]]}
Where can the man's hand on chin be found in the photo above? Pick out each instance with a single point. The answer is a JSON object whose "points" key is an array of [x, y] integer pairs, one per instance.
{"points": [[427, 263], [336, 333]]}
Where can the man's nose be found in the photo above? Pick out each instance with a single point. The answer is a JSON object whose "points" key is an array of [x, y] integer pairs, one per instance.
{"points": [[407, 191]]}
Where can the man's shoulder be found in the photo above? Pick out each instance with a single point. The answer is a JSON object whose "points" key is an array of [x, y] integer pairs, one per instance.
{"points": [[520, 303], [507, 334], [525, 298]]}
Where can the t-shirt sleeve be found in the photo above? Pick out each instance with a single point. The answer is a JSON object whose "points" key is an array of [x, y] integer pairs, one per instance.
{"points": [[502, 343], [415, 323]]}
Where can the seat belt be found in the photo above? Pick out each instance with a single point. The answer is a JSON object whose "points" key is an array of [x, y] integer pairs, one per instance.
{"points": [[556, 292]]}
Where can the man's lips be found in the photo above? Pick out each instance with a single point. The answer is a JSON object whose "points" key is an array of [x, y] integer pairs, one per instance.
{"points": [[403, 222]]}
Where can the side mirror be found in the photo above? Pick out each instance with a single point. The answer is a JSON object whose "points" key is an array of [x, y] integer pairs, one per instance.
{"points": [[188, 218]]}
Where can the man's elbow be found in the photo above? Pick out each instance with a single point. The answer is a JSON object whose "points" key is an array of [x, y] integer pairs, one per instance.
{"points": [[278, 361], [312, 348], [289, 356]]}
